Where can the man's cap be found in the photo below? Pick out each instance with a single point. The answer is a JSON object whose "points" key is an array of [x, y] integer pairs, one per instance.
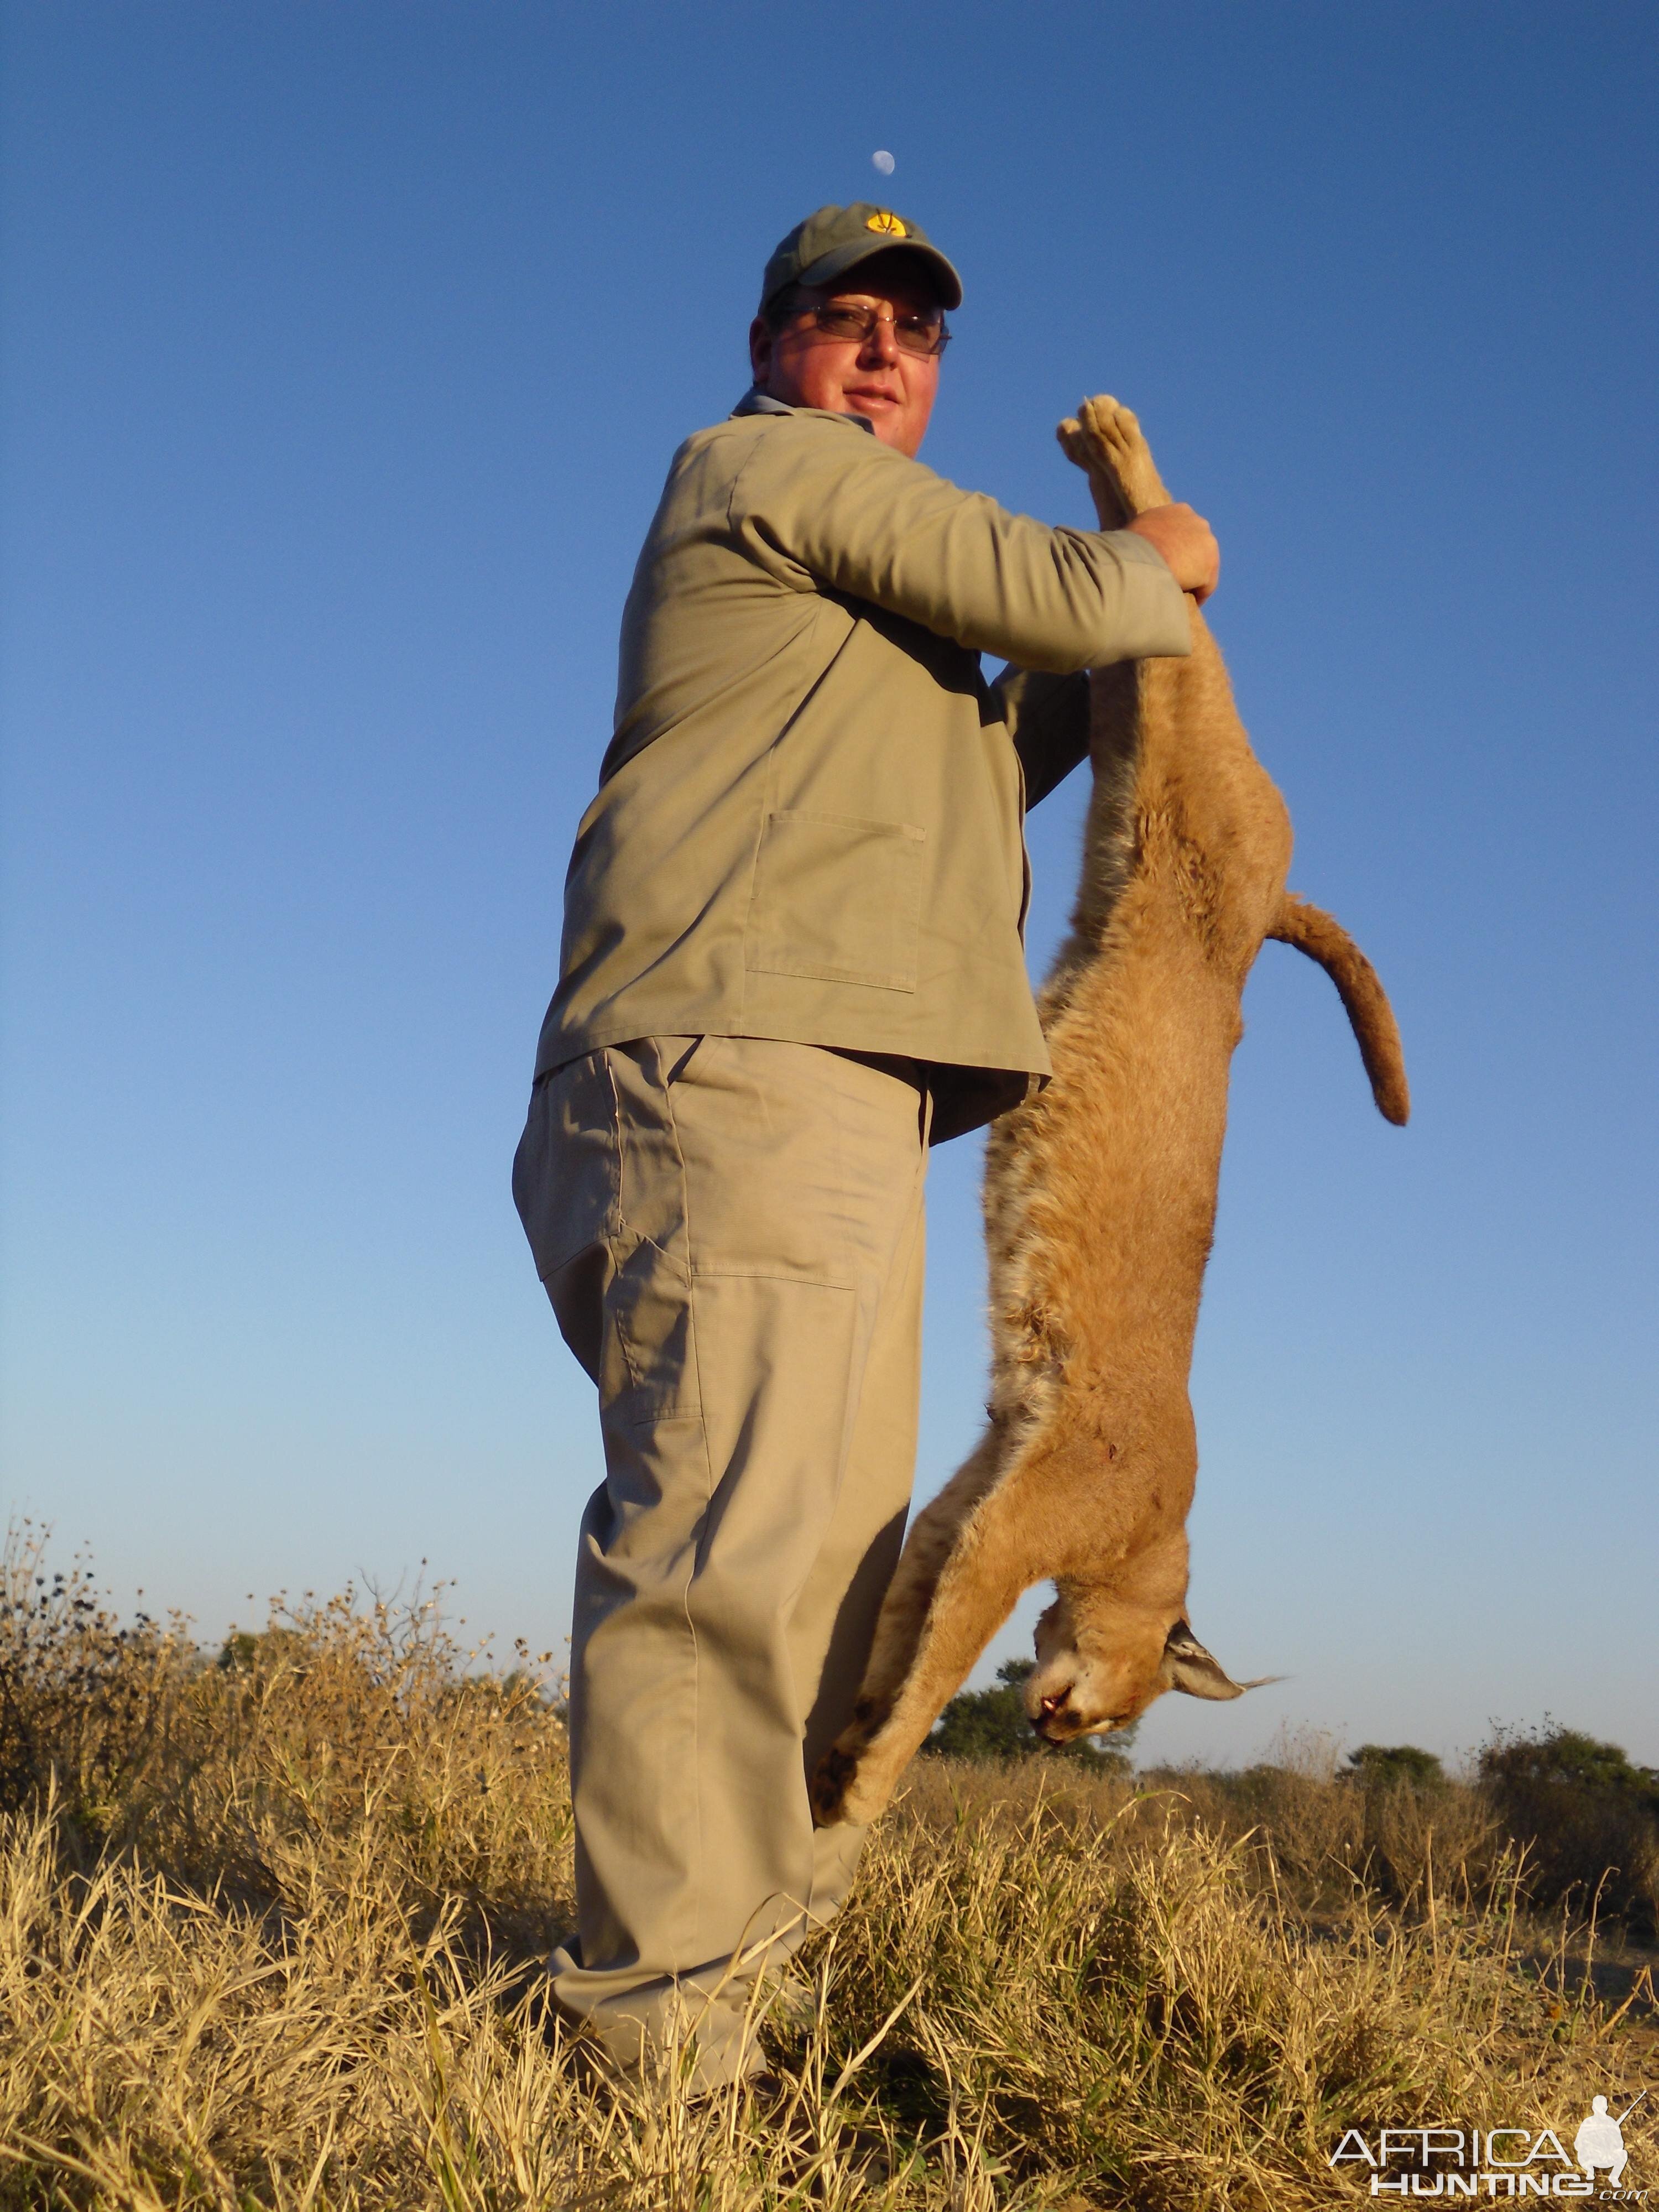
{"points": [[834, 240]]}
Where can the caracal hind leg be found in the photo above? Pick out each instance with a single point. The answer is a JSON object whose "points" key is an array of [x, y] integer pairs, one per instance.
{"points": [[1105, 440]]}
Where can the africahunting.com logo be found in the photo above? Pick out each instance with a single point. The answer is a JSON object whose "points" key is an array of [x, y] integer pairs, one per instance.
{"points": [[1594, 2161]]}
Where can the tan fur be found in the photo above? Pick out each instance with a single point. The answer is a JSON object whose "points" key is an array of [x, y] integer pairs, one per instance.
{"points": [[1099, 1204]]}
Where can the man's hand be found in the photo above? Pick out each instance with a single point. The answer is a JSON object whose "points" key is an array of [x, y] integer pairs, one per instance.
{"points": [[1187, 543]]}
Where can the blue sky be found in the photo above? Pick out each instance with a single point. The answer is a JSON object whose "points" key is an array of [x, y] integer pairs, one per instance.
{"points": [[346, 351]]}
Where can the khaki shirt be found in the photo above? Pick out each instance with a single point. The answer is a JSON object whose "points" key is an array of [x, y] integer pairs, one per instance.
{"points": [[808, 819]]}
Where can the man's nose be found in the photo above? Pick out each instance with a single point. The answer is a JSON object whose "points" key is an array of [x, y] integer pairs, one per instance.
{"points": [[881, 347]]}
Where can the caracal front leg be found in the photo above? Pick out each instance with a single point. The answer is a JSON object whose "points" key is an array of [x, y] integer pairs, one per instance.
{"points": [[997, 1549], [928, 1548], [975, 1595]]}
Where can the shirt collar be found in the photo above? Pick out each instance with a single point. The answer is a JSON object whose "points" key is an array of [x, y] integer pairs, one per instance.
{"points": [[756, 401]]}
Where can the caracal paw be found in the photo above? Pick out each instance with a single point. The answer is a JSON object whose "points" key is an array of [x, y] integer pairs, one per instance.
{"points": [[851, 1783], [1105, 439]]}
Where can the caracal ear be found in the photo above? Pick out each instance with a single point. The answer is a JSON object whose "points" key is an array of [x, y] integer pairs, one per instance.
{"points": [[1187, 1666]]}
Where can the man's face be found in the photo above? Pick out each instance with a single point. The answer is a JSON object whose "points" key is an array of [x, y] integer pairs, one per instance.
{"points": [[893, 389]]}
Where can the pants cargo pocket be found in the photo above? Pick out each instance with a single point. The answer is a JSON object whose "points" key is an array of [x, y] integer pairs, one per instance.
{"points": [[567, 1171], [648, 1303]]}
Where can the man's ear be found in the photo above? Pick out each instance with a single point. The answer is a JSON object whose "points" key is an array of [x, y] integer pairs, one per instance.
{"points": [[760, 351], [1187, 1666]]}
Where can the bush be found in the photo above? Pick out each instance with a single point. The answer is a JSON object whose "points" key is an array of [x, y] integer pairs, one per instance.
{"points": [[87, 1707]]}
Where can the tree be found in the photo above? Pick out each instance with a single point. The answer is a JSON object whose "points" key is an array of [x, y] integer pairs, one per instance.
{"points": [[1565, 1759], [991, 1724], [1588, 1817]]}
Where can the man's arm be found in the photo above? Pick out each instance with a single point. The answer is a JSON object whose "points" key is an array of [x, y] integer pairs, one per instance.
{"points": [[1047, 718], [821, 498]]}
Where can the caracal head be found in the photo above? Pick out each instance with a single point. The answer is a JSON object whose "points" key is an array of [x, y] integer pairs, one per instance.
{"points": [[1091, 1677]]}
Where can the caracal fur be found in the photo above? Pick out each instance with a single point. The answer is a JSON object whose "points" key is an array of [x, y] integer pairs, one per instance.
{"points": [[1099, 1204]]}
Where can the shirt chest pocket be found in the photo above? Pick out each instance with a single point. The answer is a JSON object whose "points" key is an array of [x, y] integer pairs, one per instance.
{"points": [[838, 898]]}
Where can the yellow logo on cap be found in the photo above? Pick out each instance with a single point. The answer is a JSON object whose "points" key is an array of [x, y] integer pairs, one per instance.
{"points": [[886, 222]]}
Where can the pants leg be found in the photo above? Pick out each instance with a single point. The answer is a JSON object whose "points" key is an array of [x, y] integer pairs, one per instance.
{"points": [[730, 1229], [835, 1621]]}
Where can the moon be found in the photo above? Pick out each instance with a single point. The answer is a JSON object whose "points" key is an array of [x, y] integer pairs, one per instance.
{"points": [[883, 161]]}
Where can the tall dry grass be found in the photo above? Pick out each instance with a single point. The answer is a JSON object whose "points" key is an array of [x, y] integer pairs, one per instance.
{"points": [[272, 1933]]}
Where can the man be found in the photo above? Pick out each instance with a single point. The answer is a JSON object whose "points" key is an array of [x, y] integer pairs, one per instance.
{"points": [[792, 957]]}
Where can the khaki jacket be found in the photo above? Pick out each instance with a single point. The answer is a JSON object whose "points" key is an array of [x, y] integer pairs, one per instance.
{"points": [[808, 825]]}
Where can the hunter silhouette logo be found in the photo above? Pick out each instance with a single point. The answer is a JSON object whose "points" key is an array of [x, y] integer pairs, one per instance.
{"points": [[886, 222], [1497, 2161], [1601, 2140]]}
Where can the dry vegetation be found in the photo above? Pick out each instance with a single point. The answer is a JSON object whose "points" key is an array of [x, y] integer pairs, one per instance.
{"points": [[270, 1930]]}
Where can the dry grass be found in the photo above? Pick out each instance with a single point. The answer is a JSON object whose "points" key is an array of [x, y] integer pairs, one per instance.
{"points": [[272, 1939]]}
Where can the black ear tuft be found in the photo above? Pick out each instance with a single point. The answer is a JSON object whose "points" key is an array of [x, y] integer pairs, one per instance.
{"points": [[1187, 1666]]}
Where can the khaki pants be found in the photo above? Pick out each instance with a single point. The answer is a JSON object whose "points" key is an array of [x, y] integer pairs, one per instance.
{"points": [[730, 1231]]}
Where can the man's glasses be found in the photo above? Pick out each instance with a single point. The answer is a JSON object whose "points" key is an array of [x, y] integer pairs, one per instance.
{"points": [[919, 334]]}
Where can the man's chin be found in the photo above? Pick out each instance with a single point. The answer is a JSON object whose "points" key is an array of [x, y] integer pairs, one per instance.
{"points": [[886, 419]]}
